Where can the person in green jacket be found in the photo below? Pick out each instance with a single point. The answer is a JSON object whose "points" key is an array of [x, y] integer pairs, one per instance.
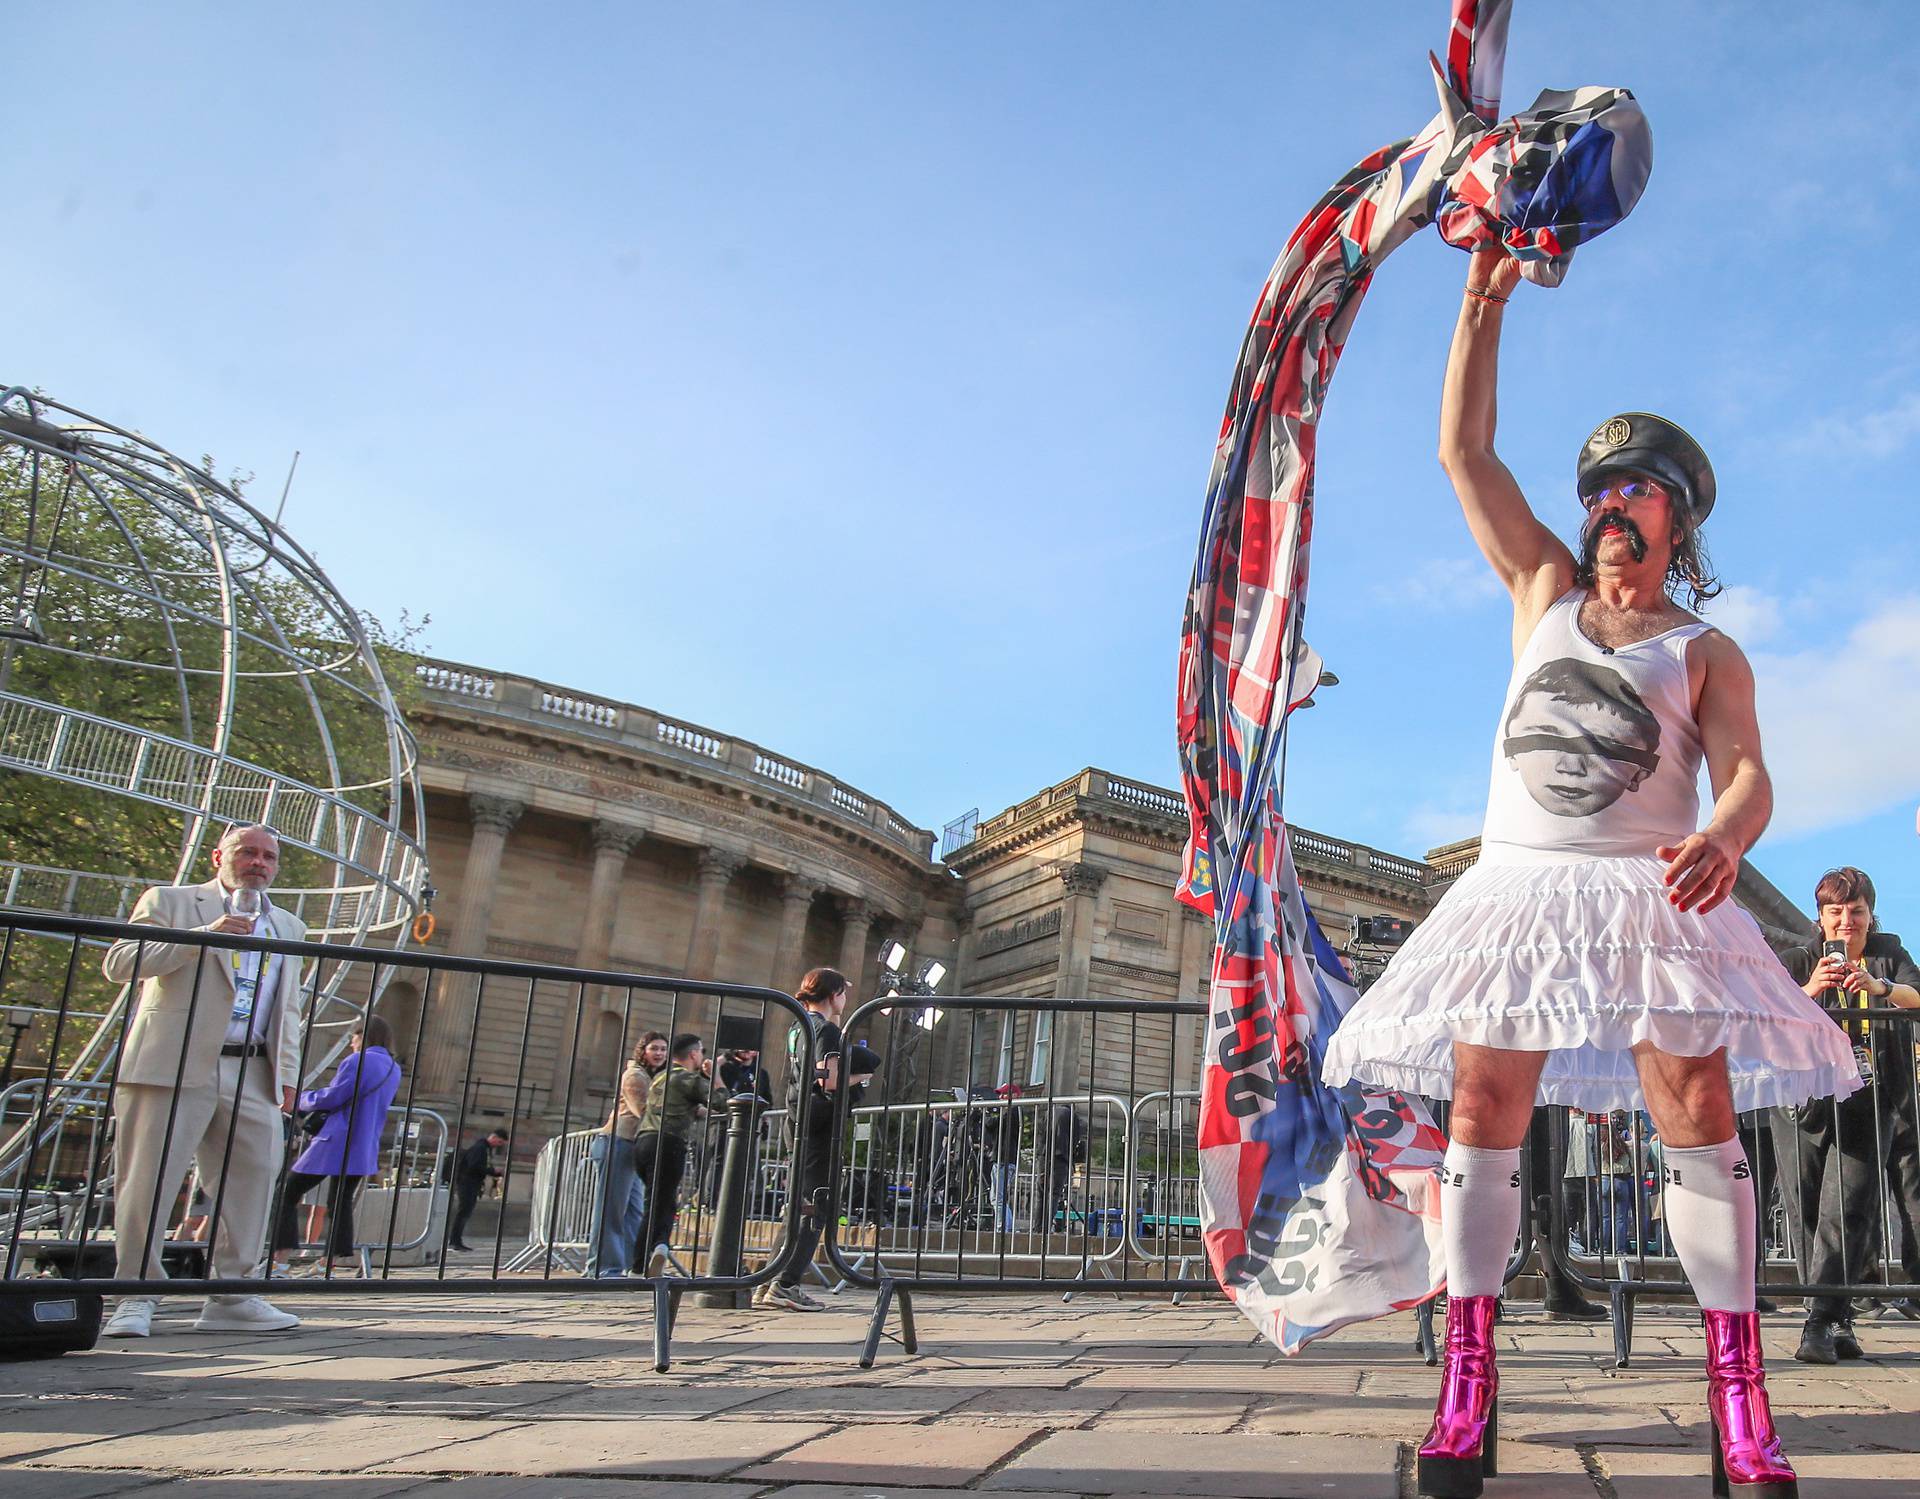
{"points": [[676, 1103]]}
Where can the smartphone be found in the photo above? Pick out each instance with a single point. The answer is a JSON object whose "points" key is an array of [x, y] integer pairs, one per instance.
{"points": [[1834, 950]]}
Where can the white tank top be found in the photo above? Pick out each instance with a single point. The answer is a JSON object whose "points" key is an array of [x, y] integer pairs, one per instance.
{"points": [[1597, 753]]}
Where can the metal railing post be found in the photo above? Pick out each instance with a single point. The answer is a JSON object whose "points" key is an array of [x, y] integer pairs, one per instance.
{"points": [[729, 1214]]}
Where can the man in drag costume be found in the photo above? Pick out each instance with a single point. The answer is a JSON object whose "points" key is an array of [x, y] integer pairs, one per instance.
{"points": [[1592, 957]]}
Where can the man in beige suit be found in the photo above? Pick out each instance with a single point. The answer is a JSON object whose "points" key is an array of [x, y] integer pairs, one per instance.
{"points": [[236, 1019]]}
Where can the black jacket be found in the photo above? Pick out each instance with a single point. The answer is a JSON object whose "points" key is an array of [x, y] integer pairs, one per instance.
{"points": [[1884, 958], [475, 1163]]}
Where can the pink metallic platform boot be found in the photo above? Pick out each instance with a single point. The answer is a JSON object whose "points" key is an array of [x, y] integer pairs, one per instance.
{"points": [[1748, 1462], [1459, 1450]]}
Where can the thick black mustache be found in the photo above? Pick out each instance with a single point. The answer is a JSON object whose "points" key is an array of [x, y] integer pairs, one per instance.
{"points": [[1597, 527]]}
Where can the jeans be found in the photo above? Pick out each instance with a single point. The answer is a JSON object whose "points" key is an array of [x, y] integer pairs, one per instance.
{"points": [[1003, 1172], [1619, 1201], [619, 1208]]}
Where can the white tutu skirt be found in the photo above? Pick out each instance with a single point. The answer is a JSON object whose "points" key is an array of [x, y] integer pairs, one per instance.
{"points": [[1583, 959]]}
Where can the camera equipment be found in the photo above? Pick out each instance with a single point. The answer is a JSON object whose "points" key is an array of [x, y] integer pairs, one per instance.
{"points": [[1381, 931]]}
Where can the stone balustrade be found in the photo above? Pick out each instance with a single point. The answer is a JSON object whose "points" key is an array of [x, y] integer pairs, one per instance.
{"points": [[1159, 804], [641, 730]]}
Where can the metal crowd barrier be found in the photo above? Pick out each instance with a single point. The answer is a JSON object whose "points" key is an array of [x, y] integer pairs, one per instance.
{"points": [[1869, 1206], [1030, 1193], [59, 1196], [1087, 1180]]}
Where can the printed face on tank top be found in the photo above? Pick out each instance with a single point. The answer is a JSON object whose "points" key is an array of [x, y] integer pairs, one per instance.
{"points": [[1580, 737]]}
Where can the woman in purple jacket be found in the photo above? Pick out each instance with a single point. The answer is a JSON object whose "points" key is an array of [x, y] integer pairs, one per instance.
{"points": [[347, 1148]]}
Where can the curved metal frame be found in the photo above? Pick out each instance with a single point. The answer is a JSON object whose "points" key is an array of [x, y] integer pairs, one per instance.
{"points": [[378, 856]]}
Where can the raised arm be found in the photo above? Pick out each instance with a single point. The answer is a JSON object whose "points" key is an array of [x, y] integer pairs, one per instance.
{"points": [[1533, 563], [1702, 868]]}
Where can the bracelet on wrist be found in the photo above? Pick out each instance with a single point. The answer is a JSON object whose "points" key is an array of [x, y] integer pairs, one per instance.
{"points": [[1486, 296]]}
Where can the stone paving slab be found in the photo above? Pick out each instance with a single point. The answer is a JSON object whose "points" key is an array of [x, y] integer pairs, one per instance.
{"points": [[901, 1457], [881, 1491], [639, 1449], [267, 1443], [555, 1397], [1167, 1463], [513, 1486], [29, 1426]]}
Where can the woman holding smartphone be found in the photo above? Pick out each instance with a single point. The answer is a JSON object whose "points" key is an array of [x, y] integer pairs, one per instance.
{"points": [[1833, 1156]]}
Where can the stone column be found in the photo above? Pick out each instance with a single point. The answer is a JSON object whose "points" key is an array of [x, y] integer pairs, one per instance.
{"points": [[796, 903], [1196, 980], [612, 842], [453, 1006], [718, 866], [857, 914], [1073, 978]]}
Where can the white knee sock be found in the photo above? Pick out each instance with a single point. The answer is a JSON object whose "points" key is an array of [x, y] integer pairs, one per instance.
{"points": [[1711, 1219], [1479, 1216]]}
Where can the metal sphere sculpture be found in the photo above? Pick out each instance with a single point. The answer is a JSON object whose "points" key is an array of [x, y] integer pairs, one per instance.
{"points": [[172, 662]]}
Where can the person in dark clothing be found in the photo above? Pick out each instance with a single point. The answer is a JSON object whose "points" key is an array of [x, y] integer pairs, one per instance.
{"points": [[824, 992], [1832, 1156], [473, 1168], [1003, 1143], [676, 1103], [1564, 1302], [739, 1074], [1066, 1144]]}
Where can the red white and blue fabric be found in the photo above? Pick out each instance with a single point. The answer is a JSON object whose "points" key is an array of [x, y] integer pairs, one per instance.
{"points": [[1319, 1207]]}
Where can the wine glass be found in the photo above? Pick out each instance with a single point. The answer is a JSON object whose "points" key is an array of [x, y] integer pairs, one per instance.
{"points": [[246, 905]]}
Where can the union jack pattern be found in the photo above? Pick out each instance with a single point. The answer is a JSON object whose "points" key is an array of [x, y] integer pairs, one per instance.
{"points": [[1320, 1206]]}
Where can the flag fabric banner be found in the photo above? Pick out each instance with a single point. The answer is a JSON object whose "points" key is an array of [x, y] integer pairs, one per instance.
{"points": [[1320, 1207]]}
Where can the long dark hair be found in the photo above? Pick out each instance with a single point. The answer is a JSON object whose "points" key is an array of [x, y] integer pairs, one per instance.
{"points": [[375, 1031]]}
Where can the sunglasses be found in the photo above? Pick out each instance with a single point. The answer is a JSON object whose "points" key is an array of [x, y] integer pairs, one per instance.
{"points": [[1628, 490]]}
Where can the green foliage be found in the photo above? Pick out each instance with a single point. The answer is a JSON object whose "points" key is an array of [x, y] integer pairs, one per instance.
{"points": [[126, 589]]}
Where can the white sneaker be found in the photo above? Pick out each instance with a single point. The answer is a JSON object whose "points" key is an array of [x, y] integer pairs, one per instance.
{"points": [[790, 1299], [132, 1318], [243, 1314]]}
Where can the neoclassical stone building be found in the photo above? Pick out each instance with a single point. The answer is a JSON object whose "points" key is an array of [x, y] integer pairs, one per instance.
{"points": [[571, 830]]}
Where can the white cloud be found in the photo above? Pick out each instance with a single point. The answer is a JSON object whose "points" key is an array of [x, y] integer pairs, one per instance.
{"points": [[1445, 583], [1429, 825], [1868, 434], [1748, 615], [1840, 722]]}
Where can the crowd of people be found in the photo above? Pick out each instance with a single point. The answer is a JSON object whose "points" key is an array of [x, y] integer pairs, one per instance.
{"points": [[1836, 1180]]}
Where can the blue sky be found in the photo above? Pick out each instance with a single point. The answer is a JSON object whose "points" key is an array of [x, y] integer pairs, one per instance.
{"points": [[845, 376]]}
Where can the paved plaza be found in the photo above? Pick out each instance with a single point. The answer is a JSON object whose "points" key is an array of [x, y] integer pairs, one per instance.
{"points": [[473, 1398]]}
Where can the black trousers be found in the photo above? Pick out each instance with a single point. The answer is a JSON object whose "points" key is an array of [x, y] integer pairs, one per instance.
{"points": [[809, 1176], [660, 1160], [1833, 1159], [465, 1195], [339, 1206]]}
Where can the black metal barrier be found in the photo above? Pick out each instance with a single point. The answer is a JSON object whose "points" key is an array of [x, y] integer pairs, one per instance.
{"points": [[1087, 1186], [1083, 1176], [65, 1123], [1832, 1183]]}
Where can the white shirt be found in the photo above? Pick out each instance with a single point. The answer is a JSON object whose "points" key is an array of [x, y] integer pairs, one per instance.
{"points": [[256, 978]]}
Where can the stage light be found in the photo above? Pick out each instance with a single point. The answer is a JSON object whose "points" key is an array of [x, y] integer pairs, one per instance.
{"points": [[893, 956]]}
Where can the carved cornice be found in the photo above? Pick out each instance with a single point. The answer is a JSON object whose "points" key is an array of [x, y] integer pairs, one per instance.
{"points": [[710, 812], [800, 891], [996, 939], [497, 814], [513, 750], [610, 837], [1157, 976], [1081, 879]]}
